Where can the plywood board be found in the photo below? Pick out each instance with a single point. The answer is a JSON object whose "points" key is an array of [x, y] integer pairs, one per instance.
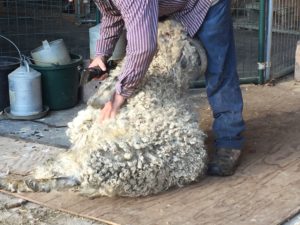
{"points": [[265, 190]]}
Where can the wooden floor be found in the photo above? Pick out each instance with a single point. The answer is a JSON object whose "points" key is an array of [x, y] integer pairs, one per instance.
{"points": [[264, 191]]}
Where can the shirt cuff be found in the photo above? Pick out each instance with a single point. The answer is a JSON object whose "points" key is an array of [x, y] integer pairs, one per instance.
{"points": [[125, 92]]}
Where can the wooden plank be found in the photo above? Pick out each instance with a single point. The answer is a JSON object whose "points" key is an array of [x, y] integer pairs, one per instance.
{"points": [[33, 198], [266, 184], [265, 189], [255, 195]]}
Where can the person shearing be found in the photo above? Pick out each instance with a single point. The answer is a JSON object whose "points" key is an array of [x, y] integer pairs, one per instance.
{"points": [[210, 22]]}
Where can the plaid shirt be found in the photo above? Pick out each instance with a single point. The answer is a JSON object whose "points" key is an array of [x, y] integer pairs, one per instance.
{"points": [[140, 18]]}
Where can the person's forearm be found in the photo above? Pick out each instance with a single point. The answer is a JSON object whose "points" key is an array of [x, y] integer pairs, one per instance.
{"points": [[135, 68], [111, 28], [141, 21]]}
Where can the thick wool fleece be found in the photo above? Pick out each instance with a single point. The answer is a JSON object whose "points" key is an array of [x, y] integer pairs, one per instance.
{"points": [[153, 144]]}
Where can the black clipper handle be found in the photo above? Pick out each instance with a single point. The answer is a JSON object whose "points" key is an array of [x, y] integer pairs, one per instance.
{"points": [[97, 72]]}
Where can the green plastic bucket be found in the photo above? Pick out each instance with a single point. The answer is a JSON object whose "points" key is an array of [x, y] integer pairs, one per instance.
{"points": [[60, 83]]}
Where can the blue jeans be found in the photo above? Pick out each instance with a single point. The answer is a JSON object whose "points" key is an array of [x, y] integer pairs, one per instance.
{"points": [[222, 82]]}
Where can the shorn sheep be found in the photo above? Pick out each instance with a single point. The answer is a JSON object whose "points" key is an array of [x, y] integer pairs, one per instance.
{"points": [[153, 144]]}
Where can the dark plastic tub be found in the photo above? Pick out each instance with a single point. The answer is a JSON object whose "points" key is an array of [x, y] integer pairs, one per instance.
{"points": [[60, 83], [7, 65]]}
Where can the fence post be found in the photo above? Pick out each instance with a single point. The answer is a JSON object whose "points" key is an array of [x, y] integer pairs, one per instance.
{"points": [[98, 16], [269, 40], [297, 62], [261, 42]]}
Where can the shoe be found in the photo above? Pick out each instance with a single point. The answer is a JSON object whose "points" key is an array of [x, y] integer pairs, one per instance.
{"points": [[224, 162]]}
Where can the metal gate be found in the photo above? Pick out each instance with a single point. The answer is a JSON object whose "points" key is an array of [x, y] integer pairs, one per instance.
{"points": [[248, 23], [245, 15], [266, 33], [283, 32]]}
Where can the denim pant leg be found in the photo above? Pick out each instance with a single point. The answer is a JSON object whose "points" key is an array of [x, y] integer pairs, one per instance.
{"points": [[222, 83]]}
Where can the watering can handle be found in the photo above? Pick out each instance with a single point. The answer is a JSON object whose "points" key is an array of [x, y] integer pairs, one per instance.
{"points": [[26, 64], [19, 52]]}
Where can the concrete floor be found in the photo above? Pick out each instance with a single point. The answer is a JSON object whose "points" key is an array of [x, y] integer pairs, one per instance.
{"points": [[14, 211], [49, 130]]}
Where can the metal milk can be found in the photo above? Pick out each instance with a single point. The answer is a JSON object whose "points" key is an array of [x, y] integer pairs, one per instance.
{"points": [[25, 93]]}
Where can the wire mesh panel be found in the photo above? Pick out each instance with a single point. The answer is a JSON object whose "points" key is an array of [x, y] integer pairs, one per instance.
{"points": [[85, 11], [29, 22], [286, 33], [245, 14]]}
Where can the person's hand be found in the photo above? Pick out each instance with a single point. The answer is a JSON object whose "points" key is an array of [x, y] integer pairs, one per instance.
{"points": [[99, 61], [112, 107]]}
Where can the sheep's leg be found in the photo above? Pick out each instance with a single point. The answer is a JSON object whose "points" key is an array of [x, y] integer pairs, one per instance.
{"points": [[37, 185], [14, 185]]}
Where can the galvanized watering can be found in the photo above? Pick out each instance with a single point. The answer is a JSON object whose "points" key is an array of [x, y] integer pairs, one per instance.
{"points": [[25, 91]]}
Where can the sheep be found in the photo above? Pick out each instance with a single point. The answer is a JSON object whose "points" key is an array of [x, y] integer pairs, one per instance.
{"points": [[153, 144]]}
